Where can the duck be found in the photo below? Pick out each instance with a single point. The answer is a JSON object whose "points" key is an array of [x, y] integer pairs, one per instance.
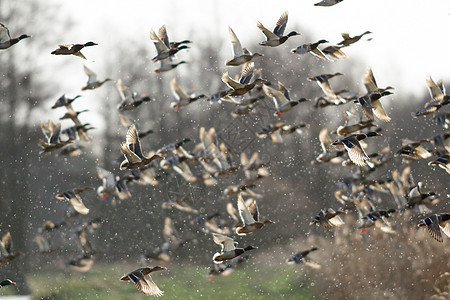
{"points": [[5, 38], [438, 95], [436, 224], [302, 257], [144, 282], [183, 99], [276, 37], [229, 250], [414, 150], [416, 199], [64, 101], [243, 86], [83, 263], [443, 119], [6, 249], [311, 48], [328, 218], [327, 2], [329, 154], [324, 84], [443, 161], [378, 219], [112, 186], [130, 100], [72, 114], [6, 282], [240, 55], [92, 82], [334, 52], [131, 149], [281, 99], [249, 217], [163, 49], [351, 143], [75, 200], [348, 40], [225, 268], [72, 49], [52, 141], [370, 84], [166, 65], [180, 204], [371, 105]]}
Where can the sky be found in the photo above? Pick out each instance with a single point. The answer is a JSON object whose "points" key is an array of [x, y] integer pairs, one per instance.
{"points": [[408, 43]]}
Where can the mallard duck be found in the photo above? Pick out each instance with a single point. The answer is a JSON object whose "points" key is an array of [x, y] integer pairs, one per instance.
{"points": [[131, 149], [371, 105], [229, 250], [377, 218], [225, 268], [334, 52], [183, 99], [52, 141], [436, 224], [72, 49], [328, 218], [281, 99], [163, 46], [83, 263], [371, 85], [329, 154], [439, 98], [130, 100], [78, 131], [72, 114], [348, 40], [240, 55], [112, 186], [301, 257], [6, 282], [92, 82], [351, 143], [5, 38], [64, 101], [414, 150], [327, 2], [75, 200], [311, 48], [166, 65], [180, 204], [6, 250], [416, 199], [348, 129], [249, 217], [144, 282], [243, 86], [276, 37], [213, 224], [442, 161], [324, 84]]}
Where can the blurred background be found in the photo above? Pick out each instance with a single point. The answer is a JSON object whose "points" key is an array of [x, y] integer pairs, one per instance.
{"points": [[407, 43]]}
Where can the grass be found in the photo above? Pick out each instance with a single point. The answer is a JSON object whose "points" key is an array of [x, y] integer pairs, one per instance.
{"points": [[102, 282]]}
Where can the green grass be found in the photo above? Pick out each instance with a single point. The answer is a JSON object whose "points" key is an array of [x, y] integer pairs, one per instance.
{"points": [[102, 282]]}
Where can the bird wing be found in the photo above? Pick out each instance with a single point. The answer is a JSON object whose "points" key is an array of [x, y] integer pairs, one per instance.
{"points": [[7, 243], [278, 97], [177, 91], [162, 33], [159, 44], [318, 53], [130, 156], [356, 153], [244, 212], [133, 142], [92, 77], [269, 34], [78, 205], [283, 90], [237, 47], [379, 111], [434, 229], [4, 34], [230, 82], [56, 130], [226, 242], [369, 81], [253, 208], [324, 84], [281, 24], [107, 177], [434, 89], [123, 90], [247, 72], [325, 141], [151, 287], [366, 106]]}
